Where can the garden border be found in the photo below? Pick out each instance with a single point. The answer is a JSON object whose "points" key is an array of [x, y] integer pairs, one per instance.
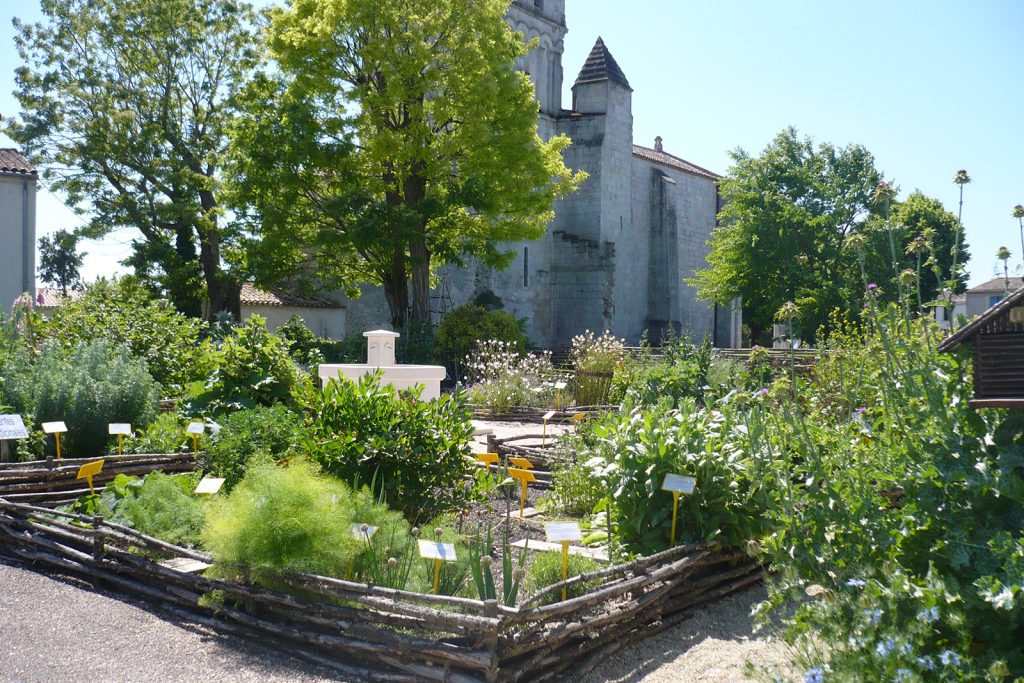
{"points": [[384, 634]]}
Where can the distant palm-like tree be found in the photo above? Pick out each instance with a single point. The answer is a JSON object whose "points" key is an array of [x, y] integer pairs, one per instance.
{"points": [[1018, 213], [1004, 255]]}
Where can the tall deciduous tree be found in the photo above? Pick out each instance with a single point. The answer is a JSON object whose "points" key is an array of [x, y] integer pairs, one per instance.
{"points": [[60, 262], [788, 219], [400, 136], [125, 104]]}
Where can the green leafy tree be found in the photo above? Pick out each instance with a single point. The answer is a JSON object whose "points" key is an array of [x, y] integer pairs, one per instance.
{"points": [[125, 105], [786, 215], [393, 136], [60, 261]]}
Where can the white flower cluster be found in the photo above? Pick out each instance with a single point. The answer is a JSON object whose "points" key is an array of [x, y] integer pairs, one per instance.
{"points": [[501, 377], [597, 354]]}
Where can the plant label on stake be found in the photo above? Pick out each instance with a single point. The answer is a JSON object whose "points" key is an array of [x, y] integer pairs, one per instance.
{"points": [[208, 486], [677, 484], [195, 429], [564, 533], [558, 387], [544, 436], [90, 470], [11, 427], [488, 459], [55, 428], [521, 463], [438, 552], [120, 429], [523, 476]]}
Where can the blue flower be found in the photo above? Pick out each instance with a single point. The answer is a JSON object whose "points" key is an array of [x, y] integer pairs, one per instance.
{"points": [[930, 615], [885, 647], [903, 675], [874, 616], [906, 649], [815, 675], [949, 657], [856, 583], [926, 662]]}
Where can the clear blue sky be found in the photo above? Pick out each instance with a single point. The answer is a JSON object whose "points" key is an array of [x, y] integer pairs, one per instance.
{"points": [[928, 86]]}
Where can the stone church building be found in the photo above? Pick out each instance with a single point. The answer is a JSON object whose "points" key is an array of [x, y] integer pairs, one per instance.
{"points": [[616, 253]]}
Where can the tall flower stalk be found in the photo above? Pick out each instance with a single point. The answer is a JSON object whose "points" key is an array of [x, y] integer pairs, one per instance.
{"points": [[1004, 255], [1018, 213], [961, 178]]}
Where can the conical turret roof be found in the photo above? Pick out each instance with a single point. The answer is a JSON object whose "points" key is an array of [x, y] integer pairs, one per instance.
{"points": [[601, 66]]}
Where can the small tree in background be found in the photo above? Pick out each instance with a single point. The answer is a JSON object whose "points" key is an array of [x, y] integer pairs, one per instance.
{"points": [[60, 262]]}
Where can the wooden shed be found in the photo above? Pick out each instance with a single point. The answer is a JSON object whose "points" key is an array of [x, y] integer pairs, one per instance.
{"points": [[997, 337]]}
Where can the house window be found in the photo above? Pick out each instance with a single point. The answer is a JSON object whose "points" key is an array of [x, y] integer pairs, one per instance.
{"points": [[994, 299], [526, 266]]}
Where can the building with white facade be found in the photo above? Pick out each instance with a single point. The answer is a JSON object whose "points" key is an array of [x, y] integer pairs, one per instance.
{"points": [[17, 227]]}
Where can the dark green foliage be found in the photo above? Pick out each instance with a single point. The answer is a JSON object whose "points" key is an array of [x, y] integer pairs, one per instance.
{"points": [[412, 451], [91, 386], [576, 492], [681, 372], [281, 520], [255, 436], [467, 324], [545, 569], [162, 506], [121, 311], [59, 260], [165, 435], [252, 367]]}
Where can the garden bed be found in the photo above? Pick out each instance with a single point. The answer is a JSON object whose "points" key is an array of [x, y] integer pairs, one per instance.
{"points": [[384, 634], [53, 482], [536, 415]]}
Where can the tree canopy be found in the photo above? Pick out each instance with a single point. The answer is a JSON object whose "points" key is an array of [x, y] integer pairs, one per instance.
{"points": [[788, 220], [390, 138], [60, 261], [125, 105]]}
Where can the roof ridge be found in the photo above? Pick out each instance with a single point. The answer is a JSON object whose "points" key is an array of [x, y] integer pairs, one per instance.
{"points": [[673, 160]]}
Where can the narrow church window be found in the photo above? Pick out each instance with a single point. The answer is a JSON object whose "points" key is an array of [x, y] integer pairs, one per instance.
{"points": [[526, 266], [539, 4]]}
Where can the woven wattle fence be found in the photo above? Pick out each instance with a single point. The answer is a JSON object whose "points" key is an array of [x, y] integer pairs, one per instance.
{"points": [[377, 633]]}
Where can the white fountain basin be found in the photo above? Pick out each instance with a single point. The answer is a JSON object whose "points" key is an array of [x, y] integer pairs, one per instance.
{"points": [[380, 355], [398, 376]]}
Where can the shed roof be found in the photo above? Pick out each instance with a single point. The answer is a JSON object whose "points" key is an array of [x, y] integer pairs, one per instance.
{"points": [[12, 161], [996, 285], [968, 331], [253, 296]]}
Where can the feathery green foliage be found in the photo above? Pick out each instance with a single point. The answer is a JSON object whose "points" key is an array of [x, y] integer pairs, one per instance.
{"points": [[545, 569]]}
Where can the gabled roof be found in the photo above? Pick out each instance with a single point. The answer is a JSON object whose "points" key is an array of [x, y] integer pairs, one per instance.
{"points": [[673, 161], [601, 66], [966, 332], [996, 285], [12, 161], [253, 296]]}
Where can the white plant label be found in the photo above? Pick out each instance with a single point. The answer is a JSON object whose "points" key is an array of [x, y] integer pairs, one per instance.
{"points": [[677, 482], [115, 428], [54, 427], [548, 415], [12, 427], [561, 532], [195, 428], [560, 385], [432, 550], [208, 486]]}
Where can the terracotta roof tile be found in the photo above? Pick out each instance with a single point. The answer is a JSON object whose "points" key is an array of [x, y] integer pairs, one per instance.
{"points": [[673, 161], [253, 296], [11, 161]]}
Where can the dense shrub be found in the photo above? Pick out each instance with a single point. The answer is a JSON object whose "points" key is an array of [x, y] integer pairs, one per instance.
{"points": [[251, 367], [122, 312], [286, 519], [681, 372], [594, 360], [91, 386], [575, 491], [165, 435], [901, 502], [545, 569], [411, 451], [467, 324], [636, 450], [255, 436], [163, 506]]}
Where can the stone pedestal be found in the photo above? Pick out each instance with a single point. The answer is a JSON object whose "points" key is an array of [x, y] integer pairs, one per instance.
{"points": [[380, 354]]}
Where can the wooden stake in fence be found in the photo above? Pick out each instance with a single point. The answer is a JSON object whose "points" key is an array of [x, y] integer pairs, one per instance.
{"points": [[55, 428], [523, 476], [195, 429], [120, 429], [564, 533], [88, 471], [438, 552], [677, 484]]}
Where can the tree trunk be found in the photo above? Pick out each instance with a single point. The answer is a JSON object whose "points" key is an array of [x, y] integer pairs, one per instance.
{"points": [[396, 287], [420, 279], [223, 293]]}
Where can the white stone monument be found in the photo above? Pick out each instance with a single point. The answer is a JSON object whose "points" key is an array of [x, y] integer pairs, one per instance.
{"points": [[380, 354]]}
